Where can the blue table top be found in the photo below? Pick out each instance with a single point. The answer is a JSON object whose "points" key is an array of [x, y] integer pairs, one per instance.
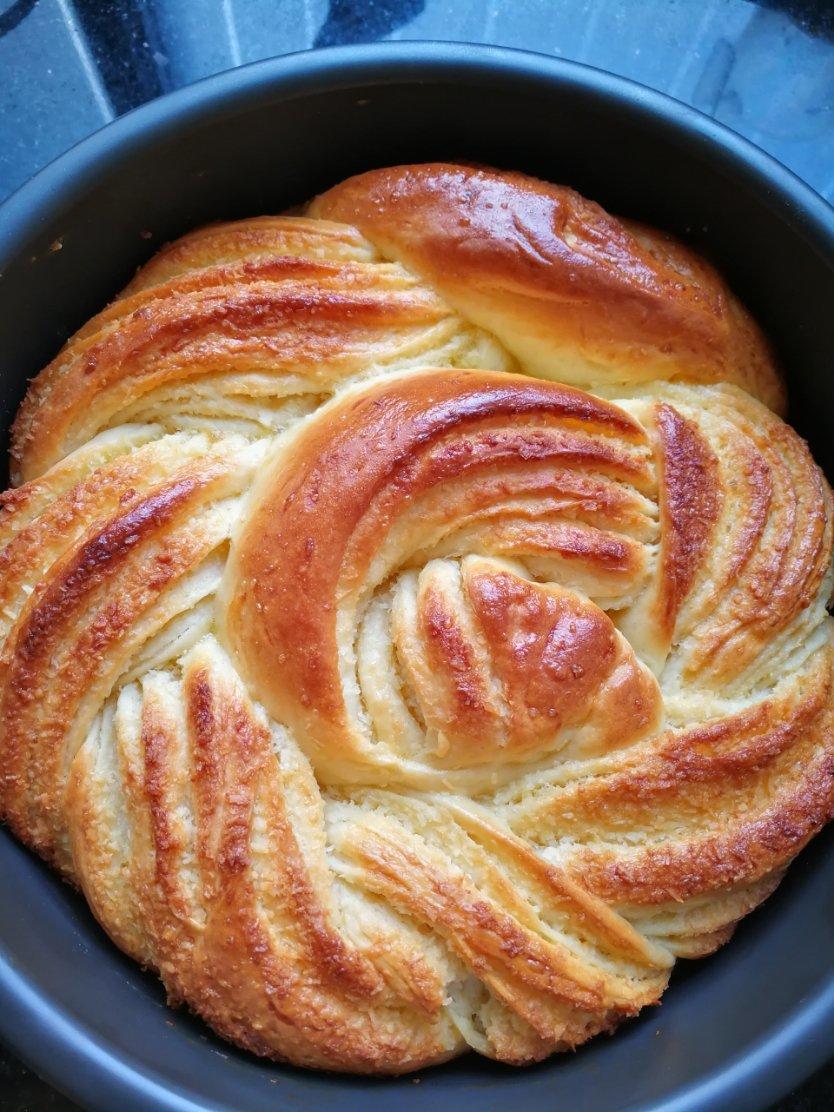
{"points": [[765, 69], [67, 67]]}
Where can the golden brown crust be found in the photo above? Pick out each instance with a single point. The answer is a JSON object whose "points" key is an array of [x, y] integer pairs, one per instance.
{"points": [[423, 444], [575, 294], [388, 702]]}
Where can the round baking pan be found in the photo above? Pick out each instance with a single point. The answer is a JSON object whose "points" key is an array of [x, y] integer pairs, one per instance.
{"points": [[734, 1031]]}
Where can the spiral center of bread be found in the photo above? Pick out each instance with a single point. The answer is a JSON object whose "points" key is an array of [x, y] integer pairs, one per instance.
{"points": [[502, 669], [386, 596]]}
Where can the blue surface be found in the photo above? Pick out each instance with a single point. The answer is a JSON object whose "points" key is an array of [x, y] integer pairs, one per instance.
{"points": [[67, 68], [766, 70]]}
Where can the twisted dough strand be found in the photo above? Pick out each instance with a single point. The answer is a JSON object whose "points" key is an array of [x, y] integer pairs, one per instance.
{"points": [[413, 627]]}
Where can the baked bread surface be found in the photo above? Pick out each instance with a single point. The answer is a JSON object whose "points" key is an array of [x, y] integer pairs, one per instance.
{"points": [[413, 621]]}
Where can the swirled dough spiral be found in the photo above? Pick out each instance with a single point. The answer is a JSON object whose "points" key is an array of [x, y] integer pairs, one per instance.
{"points": [[413, 621]]}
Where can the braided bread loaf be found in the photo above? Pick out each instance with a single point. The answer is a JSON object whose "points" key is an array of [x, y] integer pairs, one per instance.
{"points": [[413, 621]]}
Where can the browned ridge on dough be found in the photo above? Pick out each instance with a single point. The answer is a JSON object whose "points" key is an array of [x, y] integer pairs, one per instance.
{"points": [[413, 629]]}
